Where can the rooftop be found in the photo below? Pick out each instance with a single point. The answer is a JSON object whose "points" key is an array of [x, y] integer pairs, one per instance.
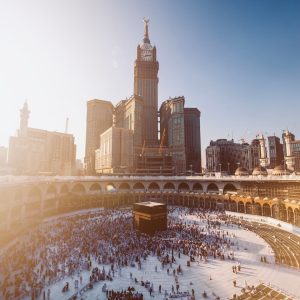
{"points": [[150, 204]]}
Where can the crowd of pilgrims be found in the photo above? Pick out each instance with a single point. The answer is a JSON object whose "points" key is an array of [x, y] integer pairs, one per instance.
{"points": [[103, 242]]}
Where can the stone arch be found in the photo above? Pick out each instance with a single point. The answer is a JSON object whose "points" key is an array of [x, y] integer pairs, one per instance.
{"points": [[95, 188], [249, 208], [78, 188], [229, 188], [34, 194], [197, 187], [18, 206], [212, 188], [282, 212], [257, 210], [201, 202], [233, 206], [241, 207], [266, 210], [110, 187], [64, 189], [290, 215], [219, 204], [226, 204], [297, 216], [153, 186], [33, 204], [183, 186], [169, 186], [275, 211], [51, 191], [138, 186], [124, 186]]}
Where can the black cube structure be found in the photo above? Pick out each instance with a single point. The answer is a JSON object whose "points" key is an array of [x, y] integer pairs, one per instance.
{"points": [[149, 217]]}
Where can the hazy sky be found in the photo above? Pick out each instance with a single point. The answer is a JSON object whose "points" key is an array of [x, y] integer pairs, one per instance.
{"points": [[237, 61]]}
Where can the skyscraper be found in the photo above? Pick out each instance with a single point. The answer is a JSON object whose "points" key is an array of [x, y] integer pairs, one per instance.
{"points": [[98, 119], [129, 114], [192, 139], [146, 85], [139, 114], [172, 130], [123, 140]]}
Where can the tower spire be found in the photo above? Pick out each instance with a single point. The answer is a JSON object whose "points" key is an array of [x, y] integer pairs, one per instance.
{"points": [[146, 34], [24, 116]]}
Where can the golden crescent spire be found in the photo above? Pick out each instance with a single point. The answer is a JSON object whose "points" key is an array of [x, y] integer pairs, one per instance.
{"points": [[146, 35]]}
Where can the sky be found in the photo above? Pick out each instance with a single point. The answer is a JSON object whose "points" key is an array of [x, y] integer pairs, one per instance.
{"points": [[238, 62]]}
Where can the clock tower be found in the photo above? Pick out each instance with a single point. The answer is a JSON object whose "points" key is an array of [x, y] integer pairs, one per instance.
{"points": [[145, 85]]}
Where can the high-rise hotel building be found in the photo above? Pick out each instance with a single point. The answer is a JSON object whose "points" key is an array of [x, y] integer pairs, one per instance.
{"points": [[146, 85], [99, 118], [138, 115]]}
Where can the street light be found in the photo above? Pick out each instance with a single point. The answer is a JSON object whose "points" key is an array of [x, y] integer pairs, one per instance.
{"points": [[228, 169]]}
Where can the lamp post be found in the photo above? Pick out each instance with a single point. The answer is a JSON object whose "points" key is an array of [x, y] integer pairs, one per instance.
{"points": [[228, 169]]}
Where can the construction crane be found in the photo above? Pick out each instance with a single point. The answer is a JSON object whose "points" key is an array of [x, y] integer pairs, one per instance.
{"points": [[143, 148], [67, 125], [162, 141]]}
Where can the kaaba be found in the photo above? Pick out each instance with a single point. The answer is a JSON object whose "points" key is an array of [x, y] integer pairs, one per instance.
{"points": [[149, 217]]}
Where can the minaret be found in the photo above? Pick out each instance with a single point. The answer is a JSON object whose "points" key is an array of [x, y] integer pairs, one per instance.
{"points": [[24, 117], [146, 85], [289, 159], [263, 151]]}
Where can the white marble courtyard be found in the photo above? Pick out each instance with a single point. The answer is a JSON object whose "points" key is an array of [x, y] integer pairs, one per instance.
{"points": [[215, 276]]}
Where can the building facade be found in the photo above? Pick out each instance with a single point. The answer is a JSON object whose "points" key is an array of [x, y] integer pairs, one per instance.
{"points": [[291, 150], [192, 139], [296, 154], [146, 85], [252, 154], [155, 161], [139, 114], [115, 154], [98, 119], [275, 151], [172, 133], [35, 151], [129, 114], [226, 156]]}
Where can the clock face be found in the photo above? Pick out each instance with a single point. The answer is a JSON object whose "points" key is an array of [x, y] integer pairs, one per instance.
{"points": [[146, 55]]}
